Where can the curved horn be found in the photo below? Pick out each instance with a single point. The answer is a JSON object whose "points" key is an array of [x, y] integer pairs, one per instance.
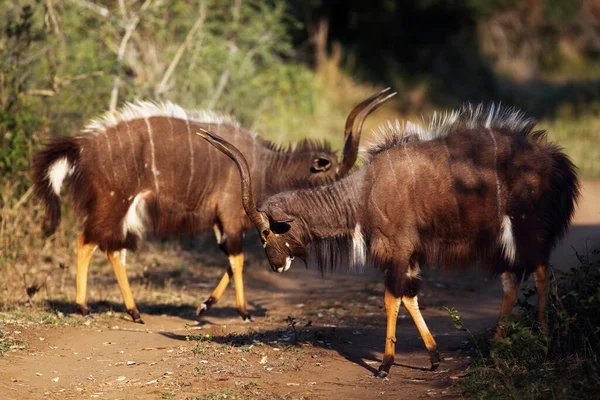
{"points": [[356, 110], [352, 137], [248, 200]]}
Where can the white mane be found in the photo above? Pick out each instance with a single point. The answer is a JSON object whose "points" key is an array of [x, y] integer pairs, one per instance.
{"points": [[492, 116], [147, 109]]}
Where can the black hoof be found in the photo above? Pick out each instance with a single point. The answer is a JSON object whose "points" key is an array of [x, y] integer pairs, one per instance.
{"points": [[135, 315], [83, 310], [382, 374], [247, 319], [204, 307], [434, 357]]}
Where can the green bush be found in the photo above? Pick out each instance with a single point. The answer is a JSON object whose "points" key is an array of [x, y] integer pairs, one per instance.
{"points": [[562, 363]]}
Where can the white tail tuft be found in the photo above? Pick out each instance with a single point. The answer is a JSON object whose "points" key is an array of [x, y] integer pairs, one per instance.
{"points": [[135, 220], [58, 171], [507, 240]]}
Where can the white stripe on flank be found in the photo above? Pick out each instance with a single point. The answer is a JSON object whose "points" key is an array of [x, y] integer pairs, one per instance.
{"points": [[507, 240], [412, 168], [58, 171], [359, 249], [153, 158], [191, 172], [457, 209], [134, 221], [498, 186], [137, 171], [110, 156]]}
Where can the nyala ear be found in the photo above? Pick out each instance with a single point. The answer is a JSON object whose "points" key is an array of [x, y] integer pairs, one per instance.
{"points": [[320, 164], [279, 217]]}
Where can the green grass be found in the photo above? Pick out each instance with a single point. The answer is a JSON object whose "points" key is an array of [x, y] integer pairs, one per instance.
{"points": [[530, 364], [7, 342]]}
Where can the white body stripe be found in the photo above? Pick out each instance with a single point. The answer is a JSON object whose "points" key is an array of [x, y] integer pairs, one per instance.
{"points": [[152, 154], [507, 240], [58, 171], [498, 185], [191, 170]]}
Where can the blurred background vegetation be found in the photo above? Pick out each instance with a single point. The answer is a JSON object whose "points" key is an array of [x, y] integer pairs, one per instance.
{"points": [[285, 68]]}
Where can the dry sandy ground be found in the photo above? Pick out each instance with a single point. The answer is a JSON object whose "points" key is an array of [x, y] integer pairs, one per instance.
{"points": [[174, 356]]}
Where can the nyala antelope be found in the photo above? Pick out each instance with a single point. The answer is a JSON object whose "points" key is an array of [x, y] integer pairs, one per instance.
{"points": [[476, 185], [139, 171]]}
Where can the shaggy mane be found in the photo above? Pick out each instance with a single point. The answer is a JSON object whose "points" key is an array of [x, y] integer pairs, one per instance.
{"points": [[491, 116], [147, 109]]}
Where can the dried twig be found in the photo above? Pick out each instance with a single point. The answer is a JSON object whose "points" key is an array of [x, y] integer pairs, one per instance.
{"points": [[52, 15], [223, 80], [162, 86], [102, 11], [114, 95]]}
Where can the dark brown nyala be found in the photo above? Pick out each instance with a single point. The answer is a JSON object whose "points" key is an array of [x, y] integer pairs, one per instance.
{"points": [[142, 170], [478, 185]]}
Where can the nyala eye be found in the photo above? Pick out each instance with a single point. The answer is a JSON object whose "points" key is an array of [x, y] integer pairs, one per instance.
{"points": [[265, 232]]}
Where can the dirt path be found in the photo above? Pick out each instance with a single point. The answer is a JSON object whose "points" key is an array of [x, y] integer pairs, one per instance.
{"points": [[172, 356]]}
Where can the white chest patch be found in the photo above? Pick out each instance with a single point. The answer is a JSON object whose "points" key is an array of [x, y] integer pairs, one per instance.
{"points": [[359, 249], [288, 264]]}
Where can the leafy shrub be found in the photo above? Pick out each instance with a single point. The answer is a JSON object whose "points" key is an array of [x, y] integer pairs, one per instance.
{"points": [[562, 363]]}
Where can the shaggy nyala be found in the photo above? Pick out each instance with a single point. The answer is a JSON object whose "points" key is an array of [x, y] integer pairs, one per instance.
{"points": [[478, 185], [142, 170]]}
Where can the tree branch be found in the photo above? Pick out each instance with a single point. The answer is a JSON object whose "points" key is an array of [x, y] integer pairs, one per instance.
{"points": [[100, 10], [236, 13], [162, 86], [114, 95]]}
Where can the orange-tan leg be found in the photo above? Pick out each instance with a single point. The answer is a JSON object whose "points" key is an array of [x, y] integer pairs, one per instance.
{"points": [[412, 306], [542, 284], [237, 264], [510, 289], [216, 293], [84, 256], [121, 274], [235, 270], [392, 305]]}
